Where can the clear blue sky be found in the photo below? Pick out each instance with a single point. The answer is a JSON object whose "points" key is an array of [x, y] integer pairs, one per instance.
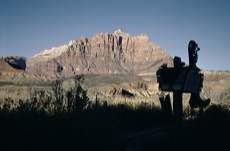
{"points": [[30, 26]]}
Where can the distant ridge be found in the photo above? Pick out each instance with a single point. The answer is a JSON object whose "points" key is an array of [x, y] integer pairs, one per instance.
{"points": [[104, 53], [4, 66], [52, 52], [12, 71]]}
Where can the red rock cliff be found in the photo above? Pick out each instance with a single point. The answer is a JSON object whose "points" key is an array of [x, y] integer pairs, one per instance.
{"points": [[104, 53]]}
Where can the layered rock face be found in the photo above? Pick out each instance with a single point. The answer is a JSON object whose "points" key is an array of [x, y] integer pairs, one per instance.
{"points": [[104, 53]]}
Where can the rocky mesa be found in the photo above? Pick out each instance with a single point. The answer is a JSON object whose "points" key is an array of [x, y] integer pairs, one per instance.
{"points": [[104, 53]]}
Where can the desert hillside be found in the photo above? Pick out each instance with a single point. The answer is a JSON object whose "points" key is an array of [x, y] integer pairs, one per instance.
{"points": [[104, 53], [113, 88], [12, 72]]}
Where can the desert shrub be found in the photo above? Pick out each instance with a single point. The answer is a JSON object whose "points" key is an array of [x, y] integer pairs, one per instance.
{"points": [[100, 126], [77, 99], [8, 103], [73, 99], [96, 127], [209, 129], [72, 122]]}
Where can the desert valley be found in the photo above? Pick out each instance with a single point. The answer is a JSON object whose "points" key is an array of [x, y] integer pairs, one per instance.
{"points": [[110, 64], [109, 68]]}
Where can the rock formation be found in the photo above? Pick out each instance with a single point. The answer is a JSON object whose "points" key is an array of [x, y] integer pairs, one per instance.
{"points": [[16, 62], [12, 71], [104, 53]]}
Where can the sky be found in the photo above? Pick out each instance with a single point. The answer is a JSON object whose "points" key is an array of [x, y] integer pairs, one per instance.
{"points": [[27, 27]]}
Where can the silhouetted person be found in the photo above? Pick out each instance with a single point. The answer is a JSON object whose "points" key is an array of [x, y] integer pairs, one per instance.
{"points": [[195, 99], [192, 53]]}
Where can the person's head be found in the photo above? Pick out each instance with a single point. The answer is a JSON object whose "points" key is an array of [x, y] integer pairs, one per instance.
{"points": [[193, 46], [192, 52]]}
